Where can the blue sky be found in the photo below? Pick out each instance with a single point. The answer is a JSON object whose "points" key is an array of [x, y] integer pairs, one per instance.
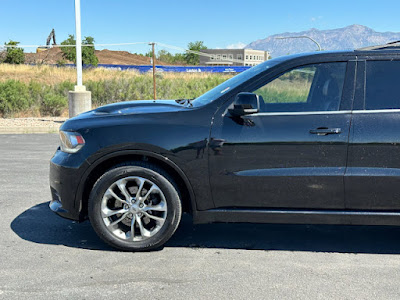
{"points": [[217, 23]]}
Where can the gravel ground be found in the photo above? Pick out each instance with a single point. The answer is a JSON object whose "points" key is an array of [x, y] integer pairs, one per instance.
{"points": [[31, 125]]}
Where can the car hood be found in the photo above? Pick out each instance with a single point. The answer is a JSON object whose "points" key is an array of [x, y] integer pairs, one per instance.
{"points": [[111, 114], [139, 106]]}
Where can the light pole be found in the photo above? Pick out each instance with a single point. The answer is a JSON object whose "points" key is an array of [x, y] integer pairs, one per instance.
{"points": [[300, 37], [79, 100], [78, 44]]}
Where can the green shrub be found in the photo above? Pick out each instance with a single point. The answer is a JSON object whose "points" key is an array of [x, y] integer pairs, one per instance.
{"points": [[14, 97], [63, 88], [53, 104]]}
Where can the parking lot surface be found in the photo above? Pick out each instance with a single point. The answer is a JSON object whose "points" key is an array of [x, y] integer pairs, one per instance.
{"points": [[43, 256]]}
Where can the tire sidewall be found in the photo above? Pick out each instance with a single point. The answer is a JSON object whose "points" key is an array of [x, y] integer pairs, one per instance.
{"points": [[174, 209]]}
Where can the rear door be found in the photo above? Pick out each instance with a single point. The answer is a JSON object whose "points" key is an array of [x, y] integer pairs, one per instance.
{"points": [[372, 180]]}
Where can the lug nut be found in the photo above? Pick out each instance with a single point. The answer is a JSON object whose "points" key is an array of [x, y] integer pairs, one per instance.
{"points": [[141, 205]]}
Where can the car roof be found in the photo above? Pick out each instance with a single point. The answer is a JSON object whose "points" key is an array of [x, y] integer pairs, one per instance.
{"points": [[388, 49], [344, 53]]}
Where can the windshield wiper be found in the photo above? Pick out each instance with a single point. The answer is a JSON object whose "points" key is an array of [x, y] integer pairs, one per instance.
{"points": [[185, 102]]}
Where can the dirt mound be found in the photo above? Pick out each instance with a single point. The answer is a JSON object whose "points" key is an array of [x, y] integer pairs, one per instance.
{"points": [[51, 56], [121, 58], [55, 55]]}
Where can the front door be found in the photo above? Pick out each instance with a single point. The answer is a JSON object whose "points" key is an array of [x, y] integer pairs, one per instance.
{"points": [[292, 153]]}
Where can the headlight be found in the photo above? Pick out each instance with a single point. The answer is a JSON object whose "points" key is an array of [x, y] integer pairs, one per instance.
{"points": [[71, 142]]}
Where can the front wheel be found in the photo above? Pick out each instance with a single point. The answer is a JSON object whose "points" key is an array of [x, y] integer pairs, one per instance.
{"points": [[135, 207]]}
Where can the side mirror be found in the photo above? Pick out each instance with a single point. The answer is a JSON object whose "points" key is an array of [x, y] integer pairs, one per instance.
{"points": [[245, 104]]}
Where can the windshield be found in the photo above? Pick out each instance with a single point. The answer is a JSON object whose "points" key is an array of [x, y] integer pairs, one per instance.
{"points": [[235, 81]]}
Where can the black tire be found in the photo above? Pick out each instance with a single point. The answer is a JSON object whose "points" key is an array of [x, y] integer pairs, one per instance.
{"points": [[153, 174]]}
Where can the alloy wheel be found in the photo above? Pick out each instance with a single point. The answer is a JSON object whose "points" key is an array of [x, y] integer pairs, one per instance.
{"points": [[133, 208]]}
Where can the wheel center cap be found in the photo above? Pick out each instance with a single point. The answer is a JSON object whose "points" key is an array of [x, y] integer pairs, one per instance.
{"points": [[135, 208]]}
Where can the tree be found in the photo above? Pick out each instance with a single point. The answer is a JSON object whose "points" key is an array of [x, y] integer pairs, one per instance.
{"points": [[14, 55], [69, 52], [3, 54], [179, 58], [167, 57], [192, 58], [88, 55]]}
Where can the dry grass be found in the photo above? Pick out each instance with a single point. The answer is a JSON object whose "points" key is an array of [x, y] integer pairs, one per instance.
{"points": [[42, 89], [285, 91], [51, 75]]}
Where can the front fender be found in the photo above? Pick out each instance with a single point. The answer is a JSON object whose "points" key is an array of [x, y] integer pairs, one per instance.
{"points": [[163, 156]]}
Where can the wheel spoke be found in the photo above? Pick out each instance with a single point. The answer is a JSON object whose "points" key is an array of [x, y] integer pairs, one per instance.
{"points": [[143, 231], [115, 196], [122, 187], [119, 220], [132, 235], [152, 189], [140, 188], [110, 212], [159, 207], [158, 219]]}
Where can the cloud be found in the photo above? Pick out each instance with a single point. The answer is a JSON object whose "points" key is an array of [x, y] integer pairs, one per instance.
{"points": [[238, 45], [315, 19]]}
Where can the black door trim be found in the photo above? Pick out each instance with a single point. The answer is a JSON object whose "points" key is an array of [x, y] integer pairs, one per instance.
{"points": [[298, 216]]}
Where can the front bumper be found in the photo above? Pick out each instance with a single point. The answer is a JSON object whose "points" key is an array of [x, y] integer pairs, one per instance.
{"points": [[65, 177]]}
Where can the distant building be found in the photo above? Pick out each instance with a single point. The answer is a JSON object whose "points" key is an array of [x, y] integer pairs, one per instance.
{"points": [[233, 57]]}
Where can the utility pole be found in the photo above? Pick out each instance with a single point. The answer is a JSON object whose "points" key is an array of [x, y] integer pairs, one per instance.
{"points": [[154, 71], [79, 100]]}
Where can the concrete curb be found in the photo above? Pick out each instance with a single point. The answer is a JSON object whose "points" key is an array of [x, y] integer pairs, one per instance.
{"points": [[28, 130], [31, 125]]}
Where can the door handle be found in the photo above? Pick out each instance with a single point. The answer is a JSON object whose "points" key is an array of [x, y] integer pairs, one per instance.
{"points": [[325, 131]]}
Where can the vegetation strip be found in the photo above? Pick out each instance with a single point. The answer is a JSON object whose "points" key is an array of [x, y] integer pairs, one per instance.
{"points": [[43, 90]]}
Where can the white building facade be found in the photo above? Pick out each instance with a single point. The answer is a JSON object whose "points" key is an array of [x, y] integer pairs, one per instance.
{"points": [[233, 57]]}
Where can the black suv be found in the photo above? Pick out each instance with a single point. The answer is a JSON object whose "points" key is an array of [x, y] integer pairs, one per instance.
{"points": [[310, 138]]}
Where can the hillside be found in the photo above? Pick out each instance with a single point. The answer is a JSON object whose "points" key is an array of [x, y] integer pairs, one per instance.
{"points": [[350, 37], [54, 55]]}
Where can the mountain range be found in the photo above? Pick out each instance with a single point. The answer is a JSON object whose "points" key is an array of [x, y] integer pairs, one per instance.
{"points": [[350, 37]]}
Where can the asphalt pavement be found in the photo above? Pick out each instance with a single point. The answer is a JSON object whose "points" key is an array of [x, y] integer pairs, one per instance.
{"points": [[43, 256]]}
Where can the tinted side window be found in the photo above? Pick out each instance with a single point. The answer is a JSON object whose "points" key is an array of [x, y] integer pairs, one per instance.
{"points": [[382, 85], [316, 87]]}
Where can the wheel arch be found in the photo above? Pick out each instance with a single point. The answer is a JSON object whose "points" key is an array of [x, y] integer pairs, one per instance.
{"points": [[108, 161]]}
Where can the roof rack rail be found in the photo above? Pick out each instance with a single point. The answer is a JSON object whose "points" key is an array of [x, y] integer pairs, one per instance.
{"points": [[393, 44]]}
